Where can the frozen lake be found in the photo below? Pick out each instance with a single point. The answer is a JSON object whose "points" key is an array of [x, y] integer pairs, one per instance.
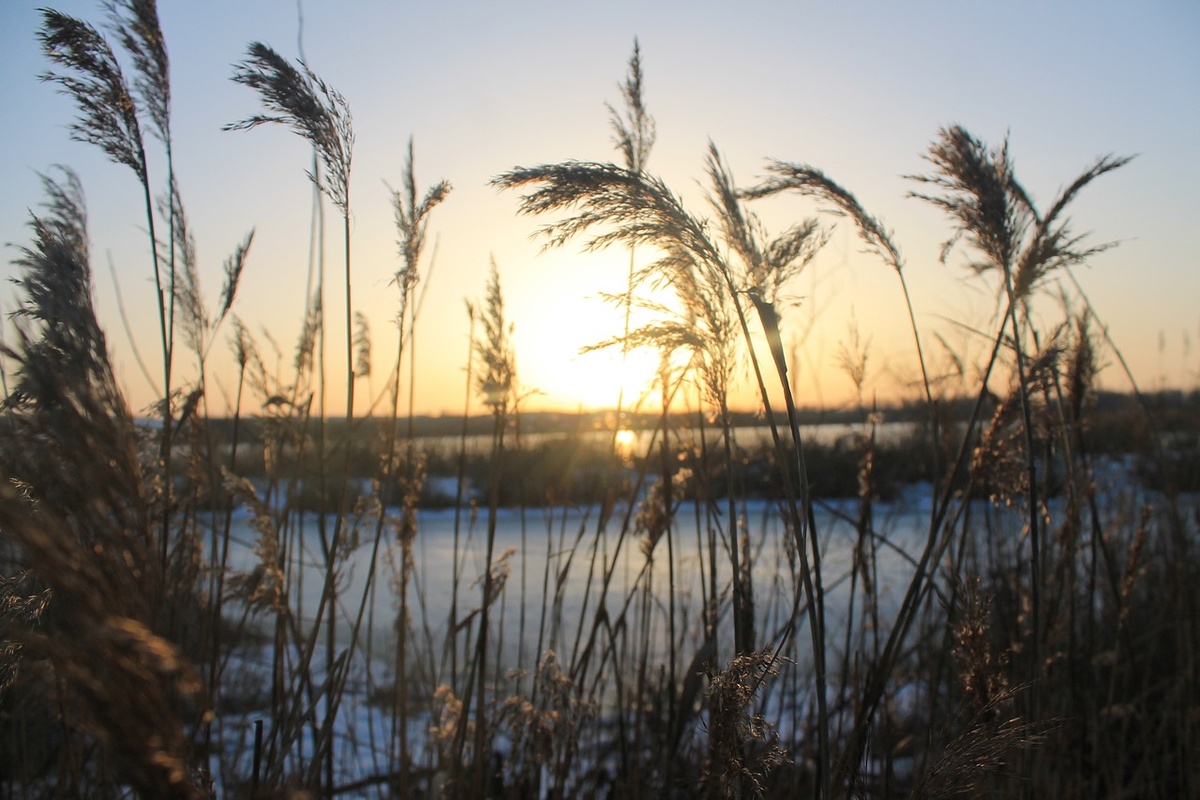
{"points": [[555, 559]]}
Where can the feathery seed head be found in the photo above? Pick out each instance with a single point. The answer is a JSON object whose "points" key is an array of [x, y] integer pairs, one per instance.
{"points": [[980, 193], [135, 23], [812, 182], [94, 80], [412, 220], [497, 364], [633, 127], [302, 101], [362, 345], [976, 187]]}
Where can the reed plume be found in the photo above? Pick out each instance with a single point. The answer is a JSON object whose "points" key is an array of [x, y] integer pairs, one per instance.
{"points": [[812, 182], [634, 130], [108, 115], [196, 323], [977, 188], [135, 23], [412, 222], [767, 264], [75, 500], [297, 98]]}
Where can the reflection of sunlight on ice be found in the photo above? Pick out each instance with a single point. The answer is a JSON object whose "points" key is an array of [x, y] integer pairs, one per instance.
{"points": [[624, 441]]}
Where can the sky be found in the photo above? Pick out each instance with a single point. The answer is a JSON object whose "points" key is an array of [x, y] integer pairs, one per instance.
{"points": [[856, 89]]}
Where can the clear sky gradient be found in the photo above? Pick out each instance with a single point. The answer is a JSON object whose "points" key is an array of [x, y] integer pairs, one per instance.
{"points": [[857, 89]]}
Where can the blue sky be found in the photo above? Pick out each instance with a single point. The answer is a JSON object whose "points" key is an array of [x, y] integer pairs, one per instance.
{"points": [[858, 90]]}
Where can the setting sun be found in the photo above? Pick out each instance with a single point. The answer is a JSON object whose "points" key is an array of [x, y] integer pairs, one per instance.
{"points": [[598, 380], [552, 338]]}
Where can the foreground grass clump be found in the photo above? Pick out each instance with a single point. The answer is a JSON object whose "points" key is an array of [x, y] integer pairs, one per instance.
{"points": [[1001, 601]]}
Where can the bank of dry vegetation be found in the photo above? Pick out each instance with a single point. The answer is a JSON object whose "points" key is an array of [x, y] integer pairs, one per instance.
{"points": [[1044, 642]]}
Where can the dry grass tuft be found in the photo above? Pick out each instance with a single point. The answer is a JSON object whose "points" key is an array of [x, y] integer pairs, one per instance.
{"points": [[544, 728], [74, 501], [743, 746], [22, 605], [990, 730], [983, 751]]}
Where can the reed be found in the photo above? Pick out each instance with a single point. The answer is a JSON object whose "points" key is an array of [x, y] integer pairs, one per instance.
{"points": [[411, 222], [297, 98], [78, 503]]}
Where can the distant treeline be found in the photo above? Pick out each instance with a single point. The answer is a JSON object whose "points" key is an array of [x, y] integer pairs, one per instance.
{"points": [[1174, 409], [566, 457]]}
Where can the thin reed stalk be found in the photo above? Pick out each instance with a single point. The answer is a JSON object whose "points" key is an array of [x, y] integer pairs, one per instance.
{"points": [[303, 102]]}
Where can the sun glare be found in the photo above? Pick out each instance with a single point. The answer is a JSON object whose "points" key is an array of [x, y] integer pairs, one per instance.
{"points": [[551, 337], [601, 380]]}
